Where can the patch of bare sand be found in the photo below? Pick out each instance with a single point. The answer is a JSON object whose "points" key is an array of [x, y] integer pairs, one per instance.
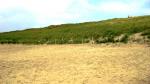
{"points": [[74, 64]]}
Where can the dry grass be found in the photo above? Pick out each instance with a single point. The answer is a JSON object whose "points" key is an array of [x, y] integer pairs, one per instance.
{"points": [[74, 64]]}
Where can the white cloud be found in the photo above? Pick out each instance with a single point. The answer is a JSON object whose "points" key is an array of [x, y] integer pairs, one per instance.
{"points": [[46, 12], [121, 7], [117, 7]]}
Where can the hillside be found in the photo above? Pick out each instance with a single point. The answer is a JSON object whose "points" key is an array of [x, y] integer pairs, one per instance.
{"points": [[112, 30]]}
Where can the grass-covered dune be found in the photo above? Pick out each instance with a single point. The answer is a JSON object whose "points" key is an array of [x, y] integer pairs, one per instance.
{"points": [[112, 30]]}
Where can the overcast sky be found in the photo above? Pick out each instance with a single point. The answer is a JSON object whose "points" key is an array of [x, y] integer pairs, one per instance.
{"points": [[21, 14]]}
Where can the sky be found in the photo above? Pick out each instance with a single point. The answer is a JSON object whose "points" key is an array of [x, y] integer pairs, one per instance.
{"points": [[22, 14]]}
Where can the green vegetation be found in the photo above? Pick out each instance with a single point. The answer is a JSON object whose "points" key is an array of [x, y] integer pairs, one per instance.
{"points": [[97, 32]]}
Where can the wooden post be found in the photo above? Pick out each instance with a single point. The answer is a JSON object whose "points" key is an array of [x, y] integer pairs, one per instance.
{"points": [[92, 40]]}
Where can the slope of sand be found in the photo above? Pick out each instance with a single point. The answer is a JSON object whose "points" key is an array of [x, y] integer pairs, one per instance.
{"points": [[74, 64]]}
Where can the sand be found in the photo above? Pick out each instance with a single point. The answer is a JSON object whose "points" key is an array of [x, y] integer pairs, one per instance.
{"points": [[74, 64]]}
